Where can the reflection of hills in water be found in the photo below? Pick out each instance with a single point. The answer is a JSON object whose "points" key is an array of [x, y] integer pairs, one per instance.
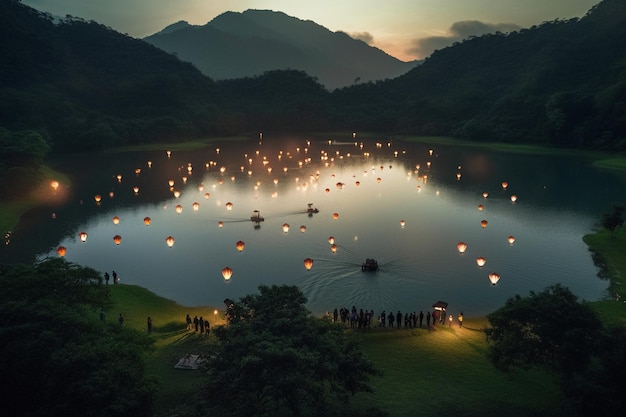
{"points": [[338, 281]]}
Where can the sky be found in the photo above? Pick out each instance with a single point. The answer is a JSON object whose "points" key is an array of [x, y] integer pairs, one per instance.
{"points": [[405, 29]]}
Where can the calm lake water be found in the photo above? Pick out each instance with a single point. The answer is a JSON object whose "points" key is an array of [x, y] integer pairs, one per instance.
{"points": [[398, 203]]}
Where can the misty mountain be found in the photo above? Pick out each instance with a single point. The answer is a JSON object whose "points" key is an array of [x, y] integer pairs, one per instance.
{"points": [[237, 45]]}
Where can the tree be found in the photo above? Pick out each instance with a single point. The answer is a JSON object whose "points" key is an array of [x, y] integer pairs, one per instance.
{"points": [[614, 219], [276, 359], [56, 357]]}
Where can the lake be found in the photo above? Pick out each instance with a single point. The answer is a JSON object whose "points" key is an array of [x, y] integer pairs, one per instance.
{"points": [[407, 205]]}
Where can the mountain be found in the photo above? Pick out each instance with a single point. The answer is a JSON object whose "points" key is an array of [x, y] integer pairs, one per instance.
{"points": [[237, 45]]}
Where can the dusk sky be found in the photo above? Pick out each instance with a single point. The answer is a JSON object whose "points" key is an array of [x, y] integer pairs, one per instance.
{"points": [[406, 29]]}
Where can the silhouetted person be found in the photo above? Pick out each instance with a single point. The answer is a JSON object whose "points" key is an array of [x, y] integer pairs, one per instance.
{"points": [[201, 321], [196, 323], [207, 327], [428, 318], [461, 319], [149, 324], [103, 315], [335, 315], [106, 278], [390, 318], [115, 280], [120, 319], [188, 320], [383, 318], [422, 318]]}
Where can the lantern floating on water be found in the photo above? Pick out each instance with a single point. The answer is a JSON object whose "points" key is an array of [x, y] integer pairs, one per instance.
{"points": [[117, 239], [61, 251], [169, 241], [285, 227], [147, 221], [308, 263], [480, 261], [481, 207], [227, 272], [196, 206], [207, 195], [461, 247], [333, 248], [494, 278], [485, 194], [335, 216], [511, 240], [331, 240], [303, 228], [240, 245], [483, 223], [513, 198], [220, 224], [505, 185], [97, 198], [402, 223], [170, 183], [229, 206], [179, 208], [116, 220], [82, 236], [136, 190]]}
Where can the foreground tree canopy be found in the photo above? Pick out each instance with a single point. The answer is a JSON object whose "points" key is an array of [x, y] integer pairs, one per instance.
{"points": [[276, 359], [553, 330], [57, 358]]}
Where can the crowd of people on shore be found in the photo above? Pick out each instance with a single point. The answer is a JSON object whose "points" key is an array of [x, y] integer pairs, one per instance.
{"points": [[198, 324], [364, 319]]}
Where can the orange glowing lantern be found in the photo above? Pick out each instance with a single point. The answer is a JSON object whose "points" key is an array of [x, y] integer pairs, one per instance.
{"points": [[505, 185], [54, 185], [285, 227], [170, 183], [303, 228], [485, 194], [331, 240], [483, 223], [149, 164], [61, 251], [179, 208], [480, 207], [240, 245], [170, 241], [494, 278], [402, 223], [327, 190], [137, 171], [207, 195], [82, 236], [513, 198], [378, 179], [308, 263], [511, 240], [480, 261], [335, 216], [116, 220], [147, 221], [196, 206], [357, 183], [458, 176], [136, 190], [227, 272], [461, 247], [97, 198], [117, 239], [229, 206], [176, 193], [119, 177], [333, 248]]}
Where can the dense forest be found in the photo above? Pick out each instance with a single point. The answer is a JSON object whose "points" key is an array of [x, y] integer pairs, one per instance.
{"points": [[78, 85]]}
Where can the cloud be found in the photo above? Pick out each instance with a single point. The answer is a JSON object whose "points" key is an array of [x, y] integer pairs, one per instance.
{"points": [[458, 31], [363, 36]]}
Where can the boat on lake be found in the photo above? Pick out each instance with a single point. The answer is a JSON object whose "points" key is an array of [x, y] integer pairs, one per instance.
{"points": [[369, 265]]}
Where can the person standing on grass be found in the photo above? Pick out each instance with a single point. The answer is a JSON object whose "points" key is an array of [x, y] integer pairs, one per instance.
{"points": [[461, 319], [188, 320], [120, 319], [149, 325], [207, 327], [106, 278], [422, 318], [103, 315]]}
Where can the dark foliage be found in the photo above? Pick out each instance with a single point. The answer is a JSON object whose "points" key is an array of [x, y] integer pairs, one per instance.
{"points": [[613, 219], [56, 357]]}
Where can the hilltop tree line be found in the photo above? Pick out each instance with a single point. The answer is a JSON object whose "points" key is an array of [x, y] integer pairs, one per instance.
{"points": [[79, 85]]}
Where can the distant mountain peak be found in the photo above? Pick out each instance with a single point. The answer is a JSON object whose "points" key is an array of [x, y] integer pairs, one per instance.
{"points": [[181, 24]]}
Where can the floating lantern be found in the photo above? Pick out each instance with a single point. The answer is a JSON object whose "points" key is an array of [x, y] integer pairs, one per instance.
{"points": [[402, 223], [485, 194], [339, 185], [196, 206], [147, 221], [303, 228], [331, 240], [327, 190], [111, 194], [513, 198], [480, 207], [461, 247], [97, 198], [170, 183], [169, 241], [511, 240], [240, 245], [480, 261], [308, 263], [494, 278], [117, 239], [116, 220], [229, 206], [136, 190], [168, 153], [119, 177], [333, 248], [176, 193], [137, 171], [357, 183], [335, 216], [220, 224], [179, 208], [483, 223], [61, 251], [207, 195], [149, 164], [378, 179], [285, 227], [54, 185], [82, 236], [505, 185], [227, 272]]}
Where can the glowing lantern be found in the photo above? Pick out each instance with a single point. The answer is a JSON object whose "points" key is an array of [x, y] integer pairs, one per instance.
{"points": [[327, 190], [481, 207], [303, 228], [61, 251], [176, 193], [149, 164], [116, 220], [147, 221], [207, 195], [461, 247], [54, 185], [170, 183], [119, 177], [485, 194], [98, 198], [504, 185], [168, 153], [82, 236], [227, 272], [308, 263], [285, 227], [483, 223], [137, 171], [333, 248], [511, 240], [357, 183], [335, 216], [331, 240], [169, 241], [458, 177], [111, 194], [136, 190], [480, 261], [179, 208], [220, 224], [117, 239], [240, 245], [402, 223], [229, 206], [378, 179], [494, 278], [196, 206], [513, 198]]}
